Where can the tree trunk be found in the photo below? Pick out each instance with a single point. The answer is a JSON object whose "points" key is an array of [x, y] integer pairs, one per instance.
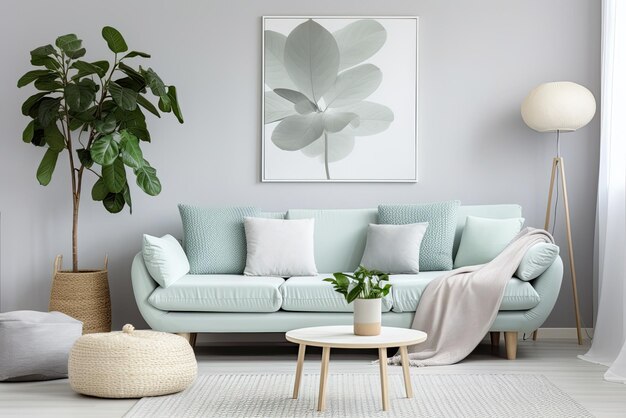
{"points": [[75, 204]]}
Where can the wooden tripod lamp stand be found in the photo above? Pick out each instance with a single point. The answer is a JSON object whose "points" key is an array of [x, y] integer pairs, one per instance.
{"points": [[560, 107]]}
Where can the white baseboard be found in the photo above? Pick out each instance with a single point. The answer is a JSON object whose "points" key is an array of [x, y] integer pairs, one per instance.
{"points": [[274, 338]]}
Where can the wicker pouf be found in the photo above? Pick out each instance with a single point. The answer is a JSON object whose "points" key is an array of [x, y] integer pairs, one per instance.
{"points": [[131, 364]]}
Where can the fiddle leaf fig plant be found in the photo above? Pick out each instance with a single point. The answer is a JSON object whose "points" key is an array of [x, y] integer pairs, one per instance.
{"points": [[363, 284], [94, 110]]}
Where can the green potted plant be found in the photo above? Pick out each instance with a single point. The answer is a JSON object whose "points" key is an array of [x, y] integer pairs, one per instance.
{"points": [[365, 288], [92, 111]]}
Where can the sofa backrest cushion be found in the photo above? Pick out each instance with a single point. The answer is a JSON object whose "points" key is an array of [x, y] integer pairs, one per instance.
{"points": [[483, 211], [214, 238], [436, 248], [340, 236]]}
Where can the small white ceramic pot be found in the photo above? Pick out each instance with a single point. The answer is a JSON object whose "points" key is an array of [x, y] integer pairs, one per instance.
{"points": [[367, 316]]}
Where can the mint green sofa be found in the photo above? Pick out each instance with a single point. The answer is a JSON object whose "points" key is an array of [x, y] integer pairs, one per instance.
{"points": [[239, 304]]}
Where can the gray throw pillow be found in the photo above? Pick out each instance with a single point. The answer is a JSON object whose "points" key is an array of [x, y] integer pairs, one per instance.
{"points": [[394, 249], [36, 345], [436, 248]]}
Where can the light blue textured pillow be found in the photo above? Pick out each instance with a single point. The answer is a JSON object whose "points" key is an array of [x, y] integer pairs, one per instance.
{"points": [[214, 238], [484, 238], [537, 260], [436, 248]]}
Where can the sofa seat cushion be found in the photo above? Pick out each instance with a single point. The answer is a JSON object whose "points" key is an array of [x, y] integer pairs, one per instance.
{"points": [[219, 293], [313, 294], [407, 289]]}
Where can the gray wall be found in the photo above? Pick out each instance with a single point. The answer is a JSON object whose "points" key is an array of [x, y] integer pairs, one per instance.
{"points": [[478, 60]]}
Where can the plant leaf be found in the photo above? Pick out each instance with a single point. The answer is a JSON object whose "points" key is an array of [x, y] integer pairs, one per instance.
{"points": [[127, 198], [276, 108], [76, 54], [157, 87], [354, 293], [133, 74], [147, 179], [340, 145], [30, 104], [353, 85], [86, 68], [39, 140], [298, 131], [132, 54], [171, 93], [42, 51], [359, 41], [31, 76], [123, 97], [68, 43], [103, 65], [84, 157], [374, 118], [99, 191], [312, 59], [104, 150], [48, 83], [106, 125], [48, 62], [29, 132], [81, 95], [275, 74], [114, 175], [48, 110], [145, 103], [114, 202], [54, 137], [131, 152], [46, 167], [114, 40]]}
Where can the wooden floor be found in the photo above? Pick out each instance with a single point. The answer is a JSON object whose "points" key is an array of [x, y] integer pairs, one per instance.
{"points": [[556, 359]]}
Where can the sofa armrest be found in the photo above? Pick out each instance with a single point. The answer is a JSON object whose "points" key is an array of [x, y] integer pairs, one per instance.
{"points": [[548, 286], [143, 286]]}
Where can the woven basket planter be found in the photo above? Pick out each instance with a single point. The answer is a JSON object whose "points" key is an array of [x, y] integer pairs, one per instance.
{"points": [[83, 295], [131, 364]]}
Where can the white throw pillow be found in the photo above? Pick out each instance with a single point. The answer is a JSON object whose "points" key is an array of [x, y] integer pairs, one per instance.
{"points": [[394, 249], [165, 259], [279, 247]]}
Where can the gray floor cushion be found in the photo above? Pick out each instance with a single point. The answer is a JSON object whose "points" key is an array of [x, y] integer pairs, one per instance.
{"points": [[36, 345]]}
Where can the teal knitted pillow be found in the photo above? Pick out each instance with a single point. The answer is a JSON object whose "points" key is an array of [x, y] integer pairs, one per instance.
{"points": [[436, 248], [214, 238]]}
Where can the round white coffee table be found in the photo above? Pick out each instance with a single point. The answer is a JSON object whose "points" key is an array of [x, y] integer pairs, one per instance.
{"points": [[342, 336]]}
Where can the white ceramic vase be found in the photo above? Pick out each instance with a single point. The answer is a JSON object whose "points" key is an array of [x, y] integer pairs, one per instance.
{"points": [[367, 316]]}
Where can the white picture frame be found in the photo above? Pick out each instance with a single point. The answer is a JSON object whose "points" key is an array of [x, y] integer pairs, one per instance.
{"points": [[368, 119]]}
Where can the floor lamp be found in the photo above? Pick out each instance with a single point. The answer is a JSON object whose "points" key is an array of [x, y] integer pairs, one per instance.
{"points": [[560, 107]]}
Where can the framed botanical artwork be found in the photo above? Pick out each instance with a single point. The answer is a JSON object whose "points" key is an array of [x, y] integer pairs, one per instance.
{"points": [[339, 99]]}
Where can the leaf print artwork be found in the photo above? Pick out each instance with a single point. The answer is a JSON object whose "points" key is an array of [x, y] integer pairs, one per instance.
{"points": [[321, 83]]}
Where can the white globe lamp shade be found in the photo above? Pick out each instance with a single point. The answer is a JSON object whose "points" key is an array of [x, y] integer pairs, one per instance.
{"points": [[558, 106]]}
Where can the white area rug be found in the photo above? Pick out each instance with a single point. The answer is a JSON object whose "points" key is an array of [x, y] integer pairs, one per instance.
{"points": [[358, 395]]}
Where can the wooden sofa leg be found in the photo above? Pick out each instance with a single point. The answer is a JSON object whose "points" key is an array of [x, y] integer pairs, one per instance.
{"points": [[510, 341], [495, 339]]}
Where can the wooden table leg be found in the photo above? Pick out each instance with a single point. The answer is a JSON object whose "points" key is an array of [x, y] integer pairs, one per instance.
{"points": [[321, 401], [382, 357], [404, 355], [299, 367]]}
